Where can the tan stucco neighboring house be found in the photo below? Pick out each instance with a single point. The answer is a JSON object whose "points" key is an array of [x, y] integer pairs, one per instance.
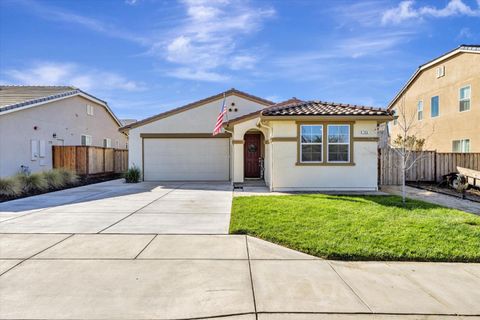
{"points": [[294, 145], [441, 102], [34, 118]]}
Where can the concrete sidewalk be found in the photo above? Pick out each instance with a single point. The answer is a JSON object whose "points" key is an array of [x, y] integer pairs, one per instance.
{"points": [[140, 276], [435, 198]]}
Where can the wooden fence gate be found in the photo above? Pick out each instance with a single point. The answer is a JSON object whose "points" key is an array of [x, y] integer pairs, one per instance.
{"points": [[89, 160], [429, 166]]}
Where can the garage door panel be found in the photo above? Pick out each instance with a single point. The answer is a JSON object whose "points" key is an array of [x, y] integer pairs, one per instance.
{"points": [[186, 159]]}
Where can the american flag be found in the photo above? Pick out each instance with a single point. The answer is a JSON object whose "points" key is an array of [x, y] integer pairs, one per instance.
{"points": [[218, 124]]}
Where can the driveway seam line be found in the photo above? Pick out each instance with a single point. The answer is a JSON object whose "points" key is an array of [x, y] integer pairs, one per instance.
{"points": [[151, 240], [251, 279], [350, 287], [140, 209], [53, 245], [420, 286]]}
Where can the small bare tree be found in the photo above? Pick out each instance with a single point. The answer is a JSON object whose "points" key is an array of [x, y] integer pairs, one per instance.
{"points": [[407, 144]]}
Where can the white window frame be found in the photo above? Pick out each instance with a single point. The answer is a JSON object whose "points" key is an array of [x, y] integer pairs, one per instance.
{"points": [[339, 143], [440, 71], [90, 109], [88, 140], [463, 144], [117, 144], [395, 120], [311, 143], [464, 99], [107, 142], [420, 109]]}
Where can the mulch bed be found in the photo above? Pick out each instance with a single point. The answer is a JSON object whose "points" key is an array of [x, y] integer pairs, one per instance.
{"points": [[84, 180], [472, 194]]}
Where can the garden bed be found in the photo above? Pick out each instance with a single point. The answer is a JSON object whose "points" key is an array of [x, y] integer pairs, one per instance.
{"points": [[79, 181], [472, 194]]}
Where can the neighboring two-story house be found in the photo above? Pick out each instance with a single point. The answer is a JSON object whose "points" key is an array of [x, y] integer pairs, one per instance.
{"points": [[34, 118], [441, 102]]}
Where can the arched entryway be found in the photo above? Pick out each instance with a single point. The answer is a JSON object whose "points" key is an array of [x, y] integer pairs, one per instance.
{"points": [[253, 155]]}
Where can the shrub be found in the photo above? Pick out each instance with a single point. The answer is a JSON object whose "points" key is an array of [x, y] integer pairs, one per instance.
{"points": [[10, 187], [133, 175], [32, 182], [55, 179], [69, 177]]}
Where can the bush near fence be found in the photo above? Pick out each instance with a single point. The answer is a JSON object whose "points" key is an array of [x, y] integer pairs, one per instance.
{"points": [[429, 166], [90, 160]]}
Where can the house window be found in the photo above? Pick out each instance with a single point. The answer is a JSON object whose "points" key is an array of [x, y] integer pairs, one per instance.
{"points": [[434, 107], [338, 143], [464, 101], [420, 110], [89, 109], [395, 120], [440, 71], [107, 143], [86, 140], [311, 143], [117, 144], [461, 145]]}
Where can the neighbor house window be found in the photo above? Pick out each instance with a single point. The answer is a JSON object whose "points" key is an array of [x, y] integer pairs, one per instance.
{"points": [[440, 71], [107, 143], [420, 110], [117, 144], [338, 143], [461, 145], [464, 102], [86, 140], [89, 109], [311, 142], [395, 120], [434, 107]]}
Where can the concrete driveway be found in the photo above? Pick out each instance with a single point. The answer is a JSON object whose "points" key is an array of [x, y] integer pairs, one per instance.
{"points": [[116, 207]]}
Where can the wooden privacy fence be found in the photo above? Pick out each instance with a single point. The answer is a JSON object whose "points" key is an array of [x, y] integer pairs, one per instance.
{"points": [[429, 166], [89, 160]]}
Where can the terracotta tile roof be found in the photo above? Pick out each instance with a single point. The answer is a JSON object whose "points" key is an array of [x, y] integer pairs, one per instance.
{"points": [[258, 112], [321, 108]]}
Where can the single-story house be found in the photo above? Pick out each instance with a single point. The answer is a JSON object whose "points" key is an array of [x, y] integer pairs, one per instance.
{"points": [[35, 118], [293, 145]]}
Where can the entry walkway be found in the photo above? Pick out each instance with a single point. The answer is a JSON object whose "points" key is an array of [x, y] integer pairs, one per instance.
{"points": [[106, 276]]}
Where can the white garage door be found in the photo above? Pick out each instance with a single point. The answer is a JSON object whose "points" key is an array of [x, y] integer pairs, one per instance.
{"points": [[186, 159]]}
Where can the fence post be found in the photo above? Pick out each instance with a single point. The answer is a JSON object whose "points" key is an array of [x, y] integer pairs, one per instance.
{"points": [[435, 165]]}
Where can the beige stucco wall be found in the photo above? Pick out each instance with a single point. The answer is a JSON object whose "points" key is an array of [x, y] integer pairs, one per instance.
{"points": [[286, 175], [197, 120], [451, 124], [67, 118]]}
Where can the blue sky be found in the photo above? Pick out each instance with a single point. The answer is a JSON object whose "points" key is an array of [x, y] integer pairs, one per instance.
{"points": [[147, 56]]}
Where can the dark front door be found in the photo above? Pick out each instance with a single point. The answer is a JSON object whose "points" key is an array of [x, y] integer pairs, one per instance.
{"points": [[251, 153]]}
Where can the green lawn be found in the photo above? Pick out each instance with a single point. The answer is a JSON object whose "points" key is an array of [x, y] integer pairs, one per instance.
{"points": [[360, 227]]}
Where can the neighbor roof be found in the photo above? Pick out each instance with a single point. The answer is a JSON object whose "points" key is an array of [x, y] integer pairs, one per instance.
{"points": [[470, 48], [195, 104], [321, 108], [13, 98]]}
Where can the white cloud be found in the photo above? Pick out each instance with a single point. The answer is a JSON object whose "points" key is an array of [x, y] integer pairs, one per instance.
{"points": [[208, 38], [52, 73], [406, 11], [197, 74]]}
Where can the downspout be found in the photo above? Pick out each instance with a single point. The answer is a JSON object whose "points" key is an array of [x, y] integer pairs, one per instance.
{"points": [[230, 158], [270, 132]]}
